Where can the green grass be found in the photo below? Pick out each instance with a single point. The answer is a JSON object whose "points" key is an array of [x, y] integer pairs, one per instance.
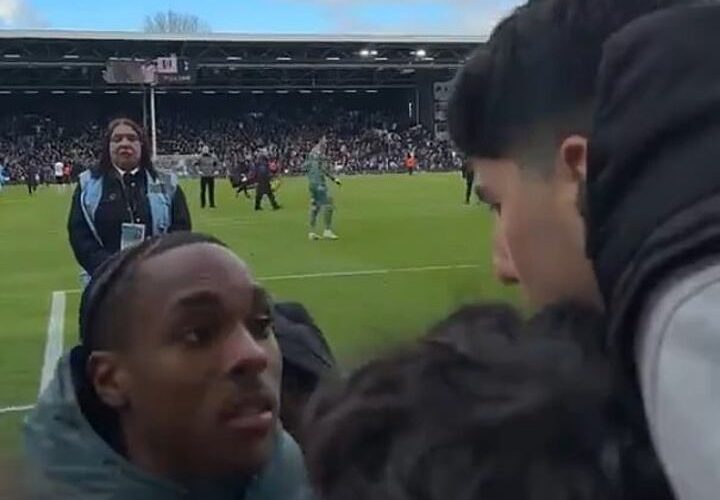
{"points": [[385, 222]]}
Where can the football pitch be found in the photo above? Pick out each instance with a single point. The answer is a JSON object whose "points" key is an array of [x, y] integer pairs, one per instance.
{"points": [[409, 252]]}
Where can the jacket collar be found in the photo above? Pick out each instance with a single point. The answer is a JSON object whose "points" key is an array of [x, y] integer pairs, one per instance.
{"points": [[62, 443]]}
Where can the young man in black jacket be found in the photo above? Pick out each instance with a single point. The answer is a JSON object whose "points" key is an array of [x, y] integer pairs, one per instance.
{"points": [[524, 112], [521, 111]]}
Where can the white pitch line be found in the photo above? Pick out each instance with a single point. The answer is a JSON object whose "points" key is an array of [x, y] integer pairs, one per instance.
{"points": [[16, 409], [370, 272], [344, 274], [54, 342], [56, 325]]}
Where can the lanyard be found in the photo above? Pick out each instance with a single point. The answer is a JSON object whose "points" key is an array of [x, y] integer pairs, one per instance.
{"points": [[128, 202]]}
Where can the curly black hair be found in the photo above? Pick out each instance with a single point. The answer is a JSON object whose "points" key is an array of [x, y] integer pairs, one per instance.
{"points": [[528, 414]]}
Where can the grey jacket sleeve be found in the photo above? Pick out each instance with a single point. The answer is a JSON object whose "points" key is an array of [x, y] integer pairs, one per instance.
{"points": [[678, 354]]}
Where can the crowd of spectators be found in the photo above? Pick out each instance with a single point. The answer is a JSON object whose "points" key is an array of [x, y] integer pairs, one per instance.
{"points": [[358, 142], [38, 147]]}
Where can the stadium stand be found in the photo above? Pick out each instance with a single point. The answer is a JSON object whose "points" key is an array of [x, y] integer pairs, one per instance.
{"points": [[376, 98], [359, 142]]}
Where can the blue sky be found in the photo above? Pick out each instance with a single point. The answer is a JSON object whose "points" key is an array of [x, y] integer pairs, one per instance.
{"points": [[267, 16]]}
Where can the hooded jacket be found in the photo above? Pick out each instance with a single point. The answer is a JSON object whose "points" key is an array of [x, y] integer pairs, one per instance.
{"points": [[69, 459], [301, 341], [653, 228]]}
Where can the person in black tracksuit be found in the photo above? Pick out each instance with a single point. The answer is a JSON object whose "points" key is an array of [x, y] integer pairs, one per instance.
{"points": [[123, 167], [208, 167], [263, 177], [31, 179], [469, 175], [240, 181]]}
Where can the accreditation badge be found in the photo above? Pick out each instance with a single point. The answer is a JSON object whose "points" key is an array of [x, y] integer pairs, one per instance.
{"points": [[131, 235]]}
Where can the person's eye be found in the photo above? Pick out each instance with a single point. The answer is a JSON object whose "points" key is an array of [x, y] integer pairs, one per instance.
{"points": [[260, 327], [191, 337], [198, 336]]}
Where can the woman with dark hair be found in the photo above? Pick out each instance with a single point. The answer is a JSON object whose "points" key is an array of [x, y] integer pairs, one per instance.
{"points": [[124, 200]]}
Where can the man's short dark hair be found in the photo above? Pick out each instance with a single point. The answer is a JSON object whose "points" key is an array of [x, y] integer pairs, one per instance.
{"points": [[538, 69], [527, 415], [103, 305]]}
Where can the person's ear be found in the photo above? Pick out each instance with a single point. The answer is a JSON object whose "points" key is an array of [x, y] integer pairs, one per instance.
{"points": [[108, 378], [573, 156]]}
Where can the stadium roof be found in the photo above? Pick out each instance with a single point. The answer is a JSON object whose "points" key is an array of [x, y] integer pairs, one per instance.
{"points": [[241, 37], [75, 60]]}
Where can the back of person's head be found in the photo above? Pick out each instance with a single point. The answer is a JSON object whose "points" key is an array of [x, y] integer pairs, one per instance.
{"points": [[536, 74], [525, 415], [459, 329]]}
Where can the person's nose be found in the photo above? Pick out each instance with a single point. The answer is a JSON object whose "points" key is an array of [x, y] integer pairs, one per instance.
{"points": [[505, 272], [243, 354], [502, 260]]}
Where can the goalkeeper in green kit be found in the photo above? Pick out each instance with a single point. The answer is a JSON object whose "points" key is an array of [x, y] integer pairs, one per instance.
{"points": [[321, 201]]}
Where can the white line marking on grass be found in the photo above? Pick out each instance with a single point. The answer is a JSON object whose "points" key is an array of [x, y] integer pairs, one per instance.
{"points": [[348, 274], [231, 222], [16, 409], [54, 342], [370, 272], [56, 324]]}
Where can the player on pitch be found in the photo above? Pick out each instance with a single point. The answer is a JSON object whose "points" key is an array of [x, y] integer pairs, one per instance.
{"points": [[318, 173]]}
